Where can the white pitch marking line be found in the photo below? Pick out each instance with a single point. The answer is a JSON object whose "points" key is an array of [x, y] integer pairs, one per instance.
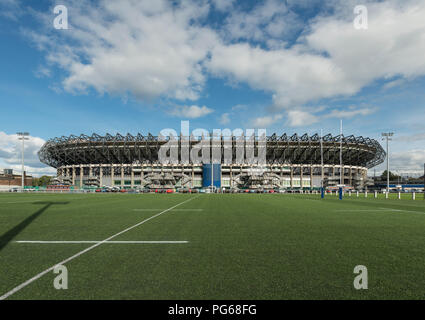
{"points": [[378, 210], [41, 201], [89, 241], [22, 201], [171, 210], [38, 276], [401, 210], [358, 210]]}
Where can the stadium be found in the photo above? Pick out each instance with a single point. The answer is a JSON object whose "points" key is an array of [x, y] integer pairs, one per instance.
{"points": [[291, 162]]}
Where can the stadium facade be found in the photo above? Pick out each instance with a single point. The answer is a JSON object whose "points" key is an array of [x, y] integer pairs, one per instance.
{"points": [[290, 162]]}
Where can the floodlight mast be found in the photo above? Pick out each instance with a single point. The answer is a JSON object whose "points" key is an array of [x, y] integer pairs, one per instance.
{"points": [[212, 165], [340, 158], [23, 136], [212, 175], [321, 156], [387, 136], [322, 184]]}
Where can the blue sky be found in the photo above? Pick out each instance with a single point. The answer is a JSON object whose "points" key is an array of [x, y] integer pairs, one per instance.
{"points": [[142, 66]]}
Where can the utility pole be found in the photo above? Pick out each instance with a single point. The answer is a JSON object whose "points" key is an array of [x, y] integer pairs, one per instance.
{"points": [[23, 136], [387, 136]]}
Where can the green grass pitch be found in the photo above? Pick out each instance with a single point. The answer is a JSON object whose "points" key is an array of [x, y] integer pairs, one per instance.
{"points": [[240, 246]]}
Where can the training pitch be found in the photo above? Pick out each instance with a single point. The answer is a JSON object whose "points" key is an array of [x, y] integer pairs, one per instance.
{"points": [[210, 246]]}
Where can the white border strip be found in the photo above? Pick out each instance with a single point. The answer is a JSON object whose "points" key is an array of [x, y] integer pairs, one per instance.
{"points": [[38, 276]]}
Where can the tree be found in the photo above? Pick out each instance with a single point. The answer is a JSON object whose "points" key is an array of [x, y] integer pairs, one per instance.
{"points": [[34, 182], [42, 181], [392, 176]]}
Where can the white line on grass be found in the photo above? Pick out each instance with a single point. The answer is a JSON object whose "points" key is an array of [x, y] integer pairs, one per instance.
{"points": [[358, 210], [378, 210], [38, 276], [41, 201], [401, 210], [171, 210], [407, 203], [20, 201], [90, 241]]}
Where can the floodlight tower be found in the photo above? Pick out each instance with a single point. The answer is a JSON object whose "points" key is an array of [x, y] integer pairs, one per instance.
{"points": [[23, 136], [387, 136], [341, 173], [322, 191], [321, 155]]}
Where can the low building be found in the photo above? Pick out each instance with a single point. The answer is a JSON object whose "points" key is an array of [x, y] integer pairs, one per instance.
{"points": [[9, 180]]}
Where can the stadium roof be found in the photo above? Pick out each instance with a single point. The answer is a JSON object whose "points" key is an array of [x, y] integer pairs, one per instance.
{"points": [[294, 149]]}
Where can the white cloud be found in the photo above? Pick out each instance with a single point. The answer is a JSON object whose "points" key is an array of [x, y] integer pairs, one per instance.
{"points": [[10, 9], [391, 46], [292, 77], [307, 116], [10, 154], [159, 49], [350, 113], [146, 48], [42, 72], [191, 112], [410, 161], [223, 5], [235, 110], [239, 107], [411, 138], [268, 19], [224, 118], [264, 122], [297, 118], [394, 83], [333, 58]]}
